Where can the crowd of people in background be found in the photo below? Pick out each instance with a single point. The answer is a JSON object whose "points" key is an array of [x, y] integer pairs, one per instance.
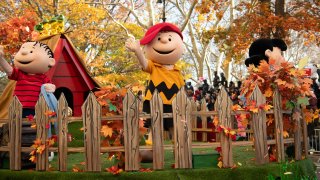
{"points": [[203, 90]]}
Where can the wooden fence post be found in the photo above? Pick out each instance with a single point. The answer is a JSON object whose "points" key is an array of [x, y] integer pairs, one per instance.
{"points": [[260, 128], [204, 120], [297, 133], [91, 114], [277, 111], [62, 120], [194, 120], [131, 131], [181, 107], [156, 106], [15, 119], [223, 105], [42, 122]]}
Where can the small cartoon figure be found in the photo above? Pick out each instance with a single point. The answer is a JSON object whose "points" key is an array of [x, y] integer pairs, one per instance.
{"points": [[163, 47], [30, 63], [266, 49]]}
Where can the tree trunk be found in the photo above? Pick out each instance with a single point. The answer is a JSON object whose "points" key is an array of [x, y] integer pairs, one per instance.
{"points": [[279, 11]]}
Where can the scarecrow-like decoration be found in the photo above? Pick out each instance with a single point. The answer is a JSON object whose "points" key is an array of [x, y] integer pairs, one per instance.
{"points": [[163, 47], [30, 63], [265, 49]]}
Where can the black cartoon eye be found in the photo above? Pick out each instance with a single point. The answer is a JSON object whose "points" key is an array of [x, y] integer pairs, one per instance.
{"points": [[31, 51], [159, 38], [169, 39]]}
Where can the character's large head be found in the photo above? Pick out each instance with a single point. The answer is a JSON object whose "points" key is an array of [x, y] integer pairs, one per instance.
{"points": [[265, 49], [34, 58], [163, 43]]}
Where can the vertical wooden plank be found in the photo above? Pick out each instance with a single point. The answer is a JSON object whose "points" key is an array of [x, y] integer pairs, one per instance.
{"points": [[223, 105], [42, 122], [91, 114], [131, 131], [62, 120], [260, 128], [204, 120], [181, 107], [277, 111], [297, 133], [304, 135], [194, 120], [157, 131], [15, 119]]}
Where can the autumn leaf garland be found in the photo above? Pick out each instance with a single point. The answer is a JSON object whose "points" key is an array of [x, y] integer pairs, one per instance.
{"points": [[293, 85]]}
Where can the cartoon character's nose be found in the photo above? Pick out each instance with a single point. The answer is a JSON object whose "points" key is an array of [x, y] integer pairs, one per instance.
{"points": [[24, 52], [164, 40]]}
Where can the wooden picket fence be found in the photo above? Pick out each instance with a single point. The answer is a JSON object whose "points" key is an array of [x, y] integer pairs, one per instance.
{"points": [[184, 119]]}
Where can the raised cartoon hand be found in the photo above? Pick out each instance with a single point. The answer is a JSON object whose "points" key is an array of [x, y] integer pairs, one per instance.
{"points": [[49, 87], [132, 44]]}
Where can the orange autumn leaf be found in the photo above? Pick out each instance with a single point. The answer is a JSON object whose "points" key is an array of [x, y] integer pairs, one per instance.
{"points": [[37, 142], [308, 116], [106, 131], [254, 109], [50, 113], [51, 142], [268, 92], [41, 148], [33, 159], [233, 132], [114, 170], [267, 107], [215, 120], [33, 126], [285, 134], [269, 121], [236, 107], [280, 82]]}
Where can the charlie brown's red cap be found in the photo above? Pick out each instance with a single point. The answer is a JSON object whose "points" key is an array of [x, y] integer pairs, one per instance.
{"points": [[154, 30]]}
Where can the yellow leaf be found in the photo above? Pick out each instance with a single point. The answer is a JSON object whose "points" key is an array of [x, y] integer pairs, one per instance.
{"points": [[33, 159], [149, 142], [267, 107], [236, 107], [285, 134], [219, 164], [215, 120], [33, 126], [232, 132], [41, 148], [106, 131], [51, 142], [254, 110]]}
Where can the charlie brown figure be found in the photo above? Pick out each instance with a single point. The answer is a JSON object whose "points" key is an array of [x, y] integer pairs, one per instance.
{"points": [[30, 63], [163, 47]]}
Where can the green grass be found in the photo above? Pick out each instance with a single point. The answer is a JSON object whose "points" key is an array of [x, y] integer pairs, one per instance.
{"points": [[302, 170]]}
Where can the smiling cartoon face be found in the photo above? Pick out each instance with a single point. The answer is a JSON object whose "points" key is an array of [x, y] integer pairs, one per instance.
{"points": [[165, 48], [34, 58]]}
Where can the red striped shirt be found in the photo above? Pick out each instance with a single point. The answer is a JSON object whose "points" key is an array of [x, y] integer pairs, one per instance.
{"points": [[28, 87]]}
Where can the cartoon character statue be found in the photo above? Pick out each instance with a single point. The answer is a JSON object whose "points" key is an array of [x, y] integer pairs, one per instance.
{"points": [[162, 48], [266, 49], [30, 63]]}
